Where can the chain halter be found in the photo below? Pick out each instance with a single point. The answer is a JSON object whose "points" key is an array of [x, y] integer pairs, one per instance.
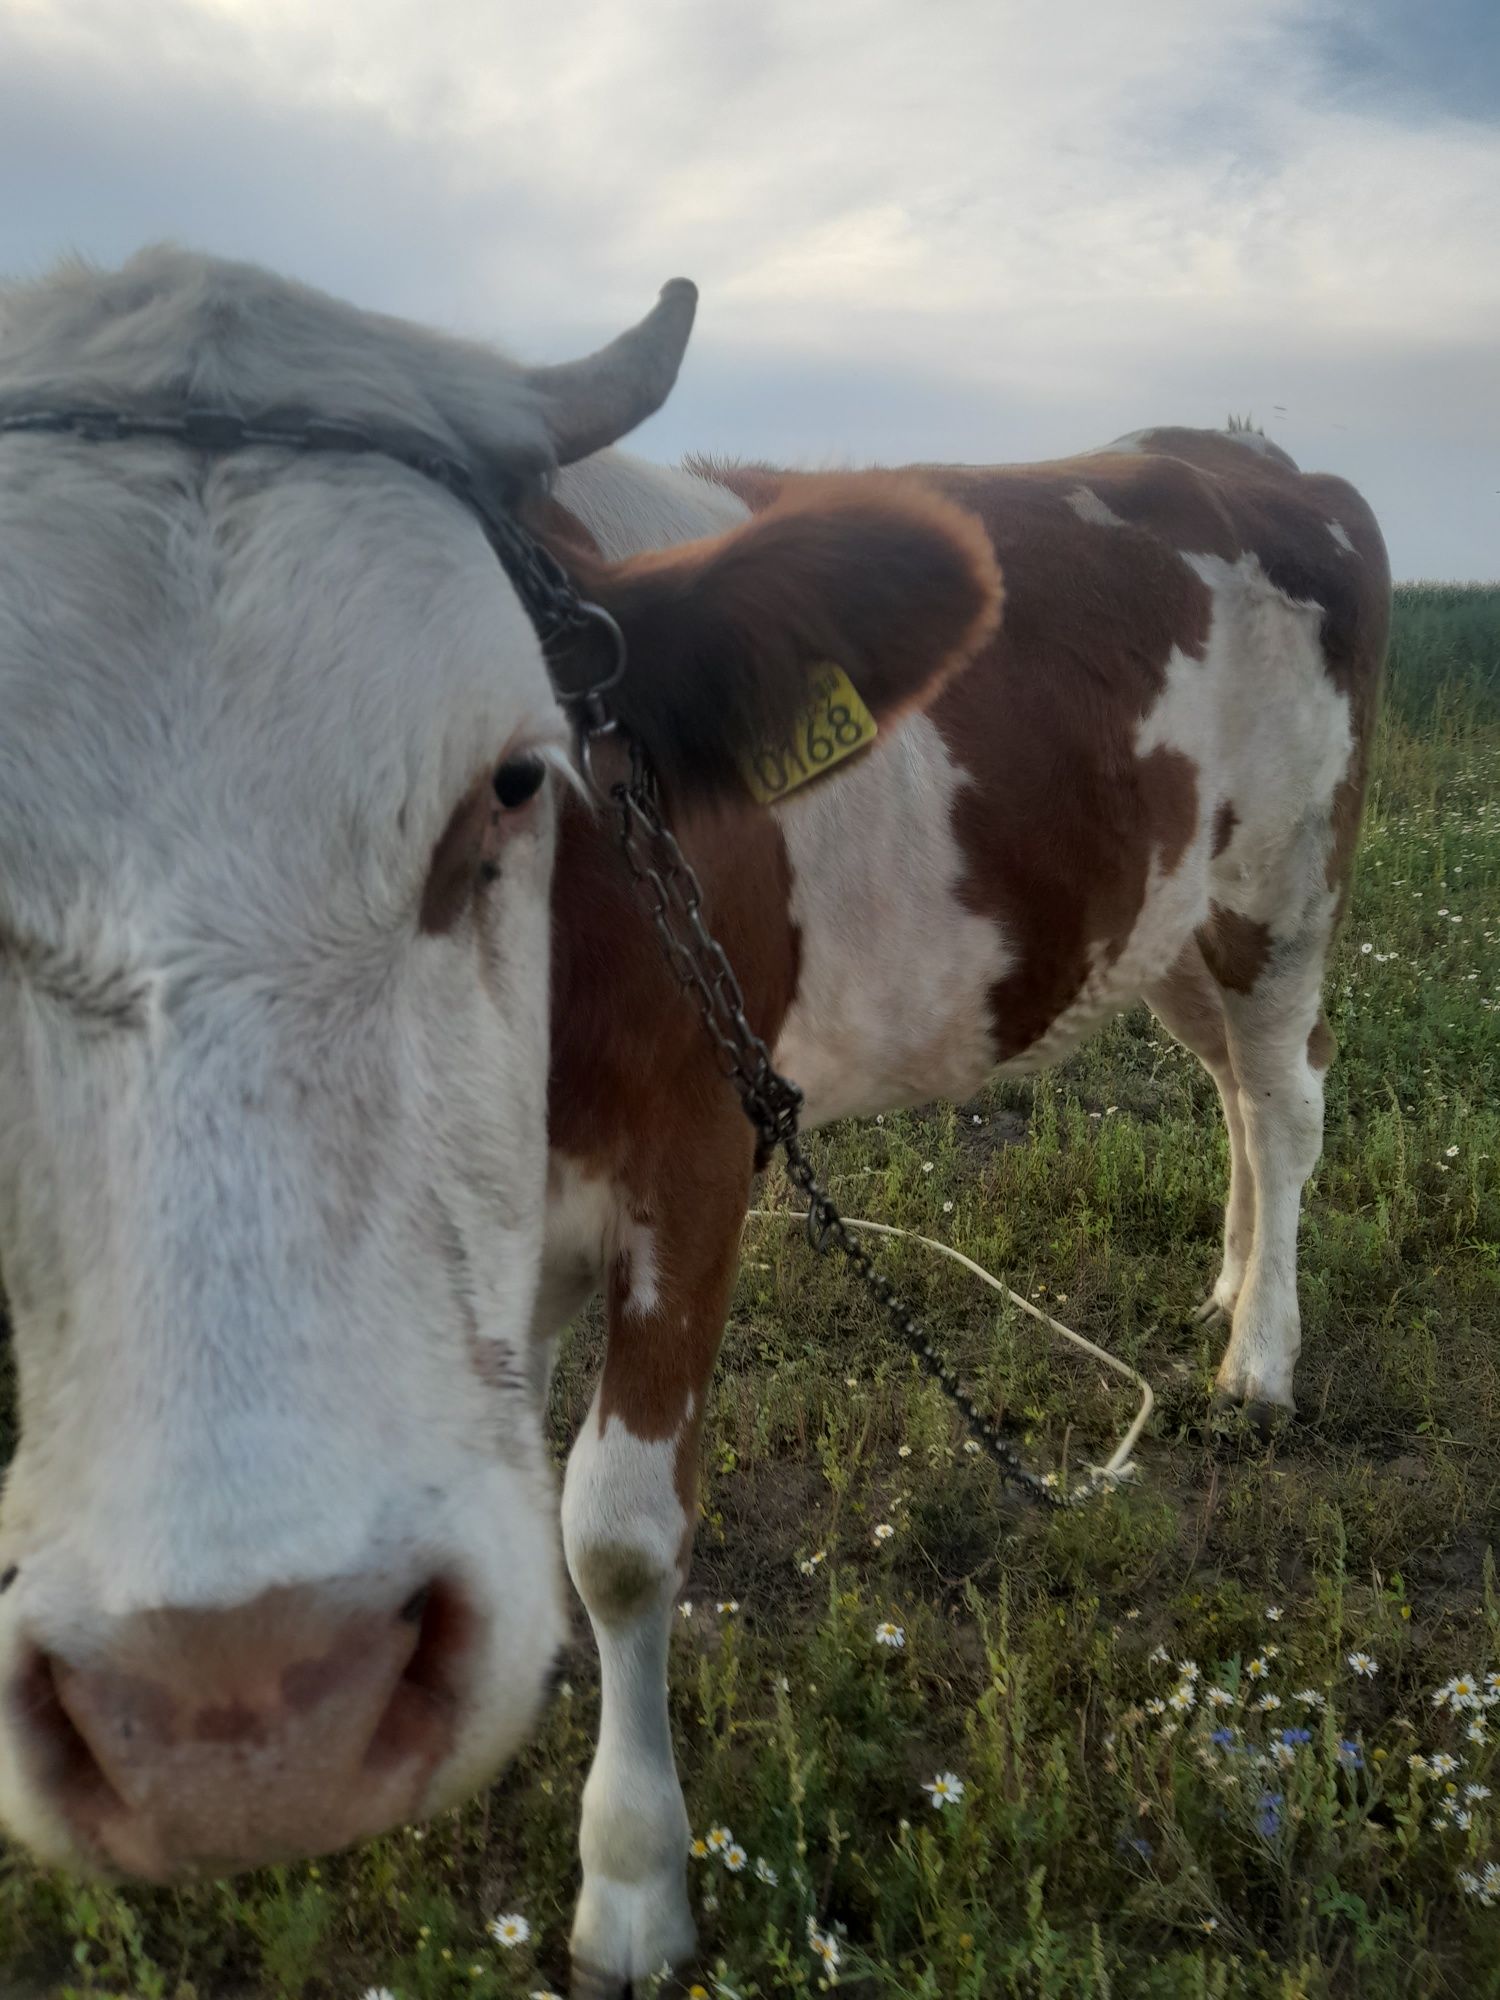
{"points": [[665, 879]]}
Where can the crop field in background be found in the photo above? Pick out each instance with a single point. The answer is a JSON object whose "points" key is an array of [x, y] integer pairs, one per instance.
{"points": [[1231, 1731]]}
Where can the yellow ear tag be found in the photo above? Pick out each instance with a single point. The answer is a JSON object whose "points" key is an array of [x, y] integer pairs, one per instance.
{"points": [[833, 724]]}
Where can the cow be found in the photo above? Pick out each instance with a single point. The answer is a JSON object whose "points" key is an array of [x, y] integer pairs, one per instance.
{"points": [[340, 1065]]}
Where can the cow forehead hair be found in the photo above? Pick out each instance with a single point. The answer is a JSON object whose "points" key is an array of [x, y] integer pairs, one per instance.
{"points": [[172, 327], [305, 659]]}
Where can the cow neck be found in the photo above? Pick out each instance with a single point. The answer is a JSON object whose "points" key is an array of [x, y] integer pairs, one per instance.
{"points": [[629, 1052]]}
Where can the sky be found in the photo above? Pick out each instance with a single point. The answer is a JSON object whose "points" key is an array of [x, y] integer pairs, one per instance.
{"points": [[987, 230]]}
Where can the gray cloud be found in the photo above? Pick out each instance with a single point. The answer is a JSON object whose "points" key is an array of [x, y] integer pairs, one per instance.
{"points": [[986, 231]]}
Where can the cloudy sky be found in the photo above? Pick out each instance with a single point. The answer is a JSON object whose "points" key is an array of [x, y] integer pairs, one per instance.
{"points": [[977, 229]]}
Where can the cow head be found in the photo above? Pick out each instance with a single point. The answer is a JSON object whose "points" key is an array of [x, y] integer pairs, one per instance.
{"points": [[278, 749]]}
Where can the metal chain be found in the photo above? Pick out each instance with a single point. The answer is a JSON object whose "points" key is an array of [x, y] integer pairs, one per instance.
{"points": [[674, 896]]}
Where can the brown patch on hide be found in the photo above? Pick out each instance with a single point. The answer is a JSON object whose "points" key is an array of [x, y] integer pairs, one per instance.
{"points": [[1063, 821], [1236, 948], [636, 1097]]}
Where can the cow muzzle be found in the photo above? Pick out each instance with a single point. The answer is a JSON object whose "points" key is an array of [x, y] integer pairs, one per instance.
{"points": [[201, 1742]]}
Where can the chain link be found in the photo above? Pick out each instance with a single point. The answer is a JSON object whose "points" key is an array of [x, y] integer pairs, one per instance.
{"points": [[674, 897]]}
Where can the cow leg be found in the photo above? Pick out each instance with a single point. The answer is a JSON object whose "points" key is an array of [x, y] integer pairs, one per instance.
{"points": [[1190, 1005], [1279, 1046], [629, 1509]]}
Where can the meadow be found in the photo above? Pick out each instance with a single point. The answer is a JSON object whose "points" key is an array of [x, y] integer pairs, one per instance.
{"points": [[1230, 1730]]}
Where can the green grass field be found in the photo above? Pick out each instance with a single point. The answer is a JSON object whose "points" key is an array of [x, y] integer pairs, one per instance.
{"points": [[1174, 1781]]}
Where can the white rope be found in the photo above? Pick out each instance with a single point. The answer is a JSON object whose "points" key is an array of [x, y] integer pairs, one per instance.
{"points": [[1119, 1465]]}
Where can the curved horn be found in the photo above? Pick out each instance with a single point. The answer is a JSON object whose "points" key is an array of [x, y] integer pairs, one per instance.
{"points": [[590, 403]]}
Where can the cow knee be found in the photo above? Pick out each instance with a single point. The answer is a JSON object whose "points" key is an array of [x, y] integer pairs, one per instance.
{"points": [[621, 1580]]}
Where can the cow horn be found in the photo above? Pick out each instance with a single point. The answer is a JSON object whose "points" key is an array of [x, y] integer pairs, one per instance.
{"points": [[590, 403]]}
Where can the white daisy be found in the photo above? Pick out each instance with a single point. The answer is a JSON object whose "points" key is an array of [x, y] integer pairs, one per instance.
{"points": [[509, 1931], [945, 1789], [735, 1857], [887, 1634], [883, 1531], [1364, 1664]]}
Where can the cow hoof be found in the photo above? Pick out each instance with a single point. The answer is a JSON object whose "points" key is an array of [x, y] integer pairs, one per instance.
{"points": [[1257, 1413], [587, 1982], [1210, 1313]]}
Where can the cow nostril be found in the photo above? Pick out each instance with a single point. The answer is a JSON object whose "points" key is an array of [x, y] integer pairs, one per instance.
{"points": [[64, 1758], [428, 1691]]}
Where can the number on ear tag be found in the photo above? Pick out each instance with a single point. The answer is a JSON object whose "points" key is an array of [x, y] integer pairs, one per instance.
{"points": [[832, 726]]}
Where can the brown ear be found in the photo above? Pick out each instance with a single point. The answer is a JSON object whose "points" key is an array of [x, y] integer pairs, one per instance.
{"points": [[871, 571]]}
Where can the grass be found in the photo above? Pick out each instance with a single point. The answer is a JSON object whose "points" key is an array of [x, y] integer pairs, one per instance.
{"points": [[1122, 1831]]}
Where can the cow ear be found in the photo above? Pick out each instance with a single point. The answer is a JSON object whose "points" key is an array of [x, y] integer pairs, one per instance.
{"points": [[871, 572]]}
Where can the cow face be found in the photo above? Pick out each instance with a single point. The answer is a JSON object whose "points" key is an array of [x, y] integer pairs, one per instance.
{"points": [[277, 799]]}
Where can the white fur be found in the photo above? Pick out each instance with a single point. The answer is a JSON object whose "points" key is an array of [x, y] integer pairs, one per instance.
{"points": [[624, 1531], [630, 505], [873, 854]]}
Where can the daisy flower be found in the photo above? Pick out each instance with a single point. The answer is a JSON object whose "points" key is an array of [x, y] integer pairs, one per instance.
{"points": [[825, 1945], [1258, 1668], [810, 1563], [735, 1857], [698, 1848], [764, 1872], [883, 1531], [1208, 1926], [1441, 1763], [1273, 1612], [378, 1993], [509, 1931], [728, 1604], [1181, 1699], [887, 1634], [1188, 1669], [971, 1446], [945, 1789], [719, 1837], [1218, 1697], [1364, 1665], [1156, 1706], [1310, 1698], [1269, 1701]]}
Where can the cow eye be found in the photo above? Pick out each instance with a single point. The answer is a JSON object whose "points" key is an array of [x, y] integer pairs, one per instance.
{"points": [[518, 780]]}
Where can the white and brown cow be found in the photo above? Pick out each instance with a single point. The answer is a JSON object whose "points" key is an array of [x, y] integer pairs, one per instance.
{"points": [[290, 1216]]}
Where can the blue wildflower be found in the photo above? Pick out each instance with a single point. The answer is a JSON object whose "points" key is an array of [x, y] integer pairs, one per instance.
{"points": [[1295, 1738], [1223, 1739], [1349, 1756], [1268, 1814]]}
